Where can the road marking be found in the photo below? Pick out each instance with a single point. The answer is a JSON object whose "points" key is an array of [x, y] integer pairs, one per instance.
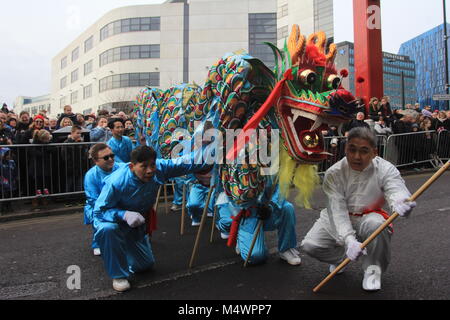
{"points": [[444, 209], [171, 277], [34, 221]]}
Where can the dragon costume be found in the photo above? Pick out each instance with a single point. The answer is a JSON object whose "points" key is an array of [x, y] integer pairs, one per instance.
{"points": [[300, 98]]}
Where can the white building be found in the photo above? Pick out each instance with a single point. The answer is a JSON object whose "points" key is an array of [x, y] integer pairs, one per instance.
{"points": [[33, 105], [167, 44], [310, 15]]}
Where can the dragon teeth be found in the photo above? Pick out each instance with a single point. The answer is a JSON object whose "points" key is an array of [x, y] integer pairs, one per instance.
{"points": [[297, 113], [316, 124]]}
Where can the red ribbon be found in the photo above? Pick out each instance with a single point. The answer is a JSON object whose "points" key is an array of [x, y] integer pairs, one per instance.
{"points": [[379, 211], [152, 221], [253, 123], [244, 213]]}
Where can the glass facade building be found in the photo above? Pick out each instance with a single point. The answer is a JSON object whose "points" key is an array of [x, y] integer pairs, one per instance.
{"points": [[427, 50], [262, 27], [398, 74]]}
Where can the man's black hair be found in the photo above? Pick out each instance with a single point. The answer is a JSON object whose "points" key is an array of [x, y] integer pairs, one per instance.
{"points": [[75, 127], [112, 121], [143, 154]]}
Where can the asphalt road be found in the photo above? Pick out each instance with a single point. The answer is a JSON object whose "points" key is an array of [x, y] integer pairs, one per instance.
{"points": [[35, 256]]}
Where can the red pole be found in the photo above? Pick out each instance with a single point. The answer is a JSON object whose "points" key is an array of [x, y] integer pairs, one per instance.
{"points": [[368, 49]]}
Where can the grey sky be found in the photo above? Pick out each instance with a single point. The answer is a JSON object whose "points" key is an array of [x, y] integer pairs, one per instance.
{"points": [[33, 32]]}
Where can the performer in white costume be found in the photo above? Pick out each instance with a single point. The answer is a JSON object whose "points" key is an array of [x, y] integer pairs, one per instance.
{"points": [[357, 187]]}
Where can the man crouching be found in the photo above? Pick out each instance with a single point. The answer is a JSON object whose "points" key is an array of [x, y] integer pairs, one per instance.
{"points": [[127, 196], [357, 187]]}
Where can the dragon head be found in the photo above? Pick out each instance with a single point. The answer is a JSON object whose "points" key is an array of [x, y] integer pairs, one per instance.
{"points": [[310, 96]]}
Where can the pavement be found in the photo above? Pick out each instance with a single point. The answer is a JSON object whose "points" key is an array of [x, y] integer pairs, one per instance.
{"points": [[38, 256]]}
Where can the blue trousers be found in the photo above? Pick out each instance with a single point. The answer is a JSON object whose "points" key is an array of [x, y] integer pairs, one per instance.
{"points": [[196, 201], [178, 195], [94, 243], [124, 250], [283, 220]]}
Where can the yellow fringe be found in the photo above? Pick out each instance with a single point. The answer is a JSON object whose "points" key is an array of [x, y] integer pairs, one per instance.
{"points": [[303, 176]]}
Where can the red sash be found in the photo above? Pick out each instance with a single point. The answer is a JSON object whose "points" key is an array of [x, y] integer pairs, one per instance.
{"points": [[244, 213], [152, 221], [378, 210]]}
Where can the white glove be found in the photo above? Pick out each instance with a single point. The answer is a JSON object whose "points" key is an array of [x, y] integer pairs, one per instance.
{"points": [[134, 219], [354, 250], [404, 207]]}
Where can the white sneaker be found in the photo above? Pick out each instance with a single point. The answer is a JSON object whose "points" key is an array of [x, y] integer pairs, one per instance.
{"points": [[97, 252], [195, 224], [121, 285], [292, 256], [238, 251], [333, 267], [175, 207], [224, 236], [372, 278]]}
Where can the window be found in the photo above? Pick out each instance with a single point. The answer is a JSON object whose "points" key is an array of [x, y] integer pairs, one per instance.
{"points": [[75, 54], [283, 11], [62, 102], [74, 76], [63, 62], [127, 80], [88, 67], [89, 44], [87, 91], [130, 25], [63, 83], [262, 28], [74, 97], [151, 51], [283, 32]]}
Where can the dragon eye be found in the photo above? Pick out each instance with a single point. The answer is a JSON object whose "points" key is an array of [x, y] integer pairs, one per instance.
{"points": [[333, 81], [308, 77]]}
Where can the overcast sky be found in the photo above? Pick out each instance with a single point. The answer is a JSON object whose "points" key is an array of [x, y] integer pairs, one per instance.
{"points": [[33, 32]]}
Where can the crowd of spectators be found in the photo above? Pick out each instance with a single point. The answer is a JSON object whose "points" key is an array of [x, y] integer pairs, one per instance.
{"points": [[42, 169], [384, 120]]}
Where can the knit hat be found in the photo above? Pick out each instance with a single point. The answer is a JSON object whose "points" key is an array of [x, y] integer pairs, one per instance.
{"points": [[426, 113], [39, 116]]}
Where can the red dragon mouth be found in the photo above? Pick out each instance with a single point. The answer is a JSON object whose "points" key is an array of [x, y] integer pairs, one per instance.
{"points": [[303, 131]]}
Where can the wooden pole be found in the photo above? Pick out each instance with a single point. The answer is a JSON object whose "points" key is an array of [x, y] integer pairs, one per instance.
{"points": [[183, 210], [213, 224], [200, 229], [157, 199], [255, 236], [165, 198], [419, 192]]}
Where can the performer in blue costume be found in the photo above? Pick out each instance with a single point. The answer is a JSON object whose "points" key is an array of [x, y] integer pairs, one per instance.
{"points": [[119, 144], [278, 214], [128, 195], [178, 184], [103, 158], [198, 194]]}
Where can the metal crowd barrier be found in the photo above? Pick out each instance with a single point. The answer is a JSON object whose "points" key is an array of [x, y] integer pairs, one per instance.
{"points": [[47, 170], [26, 171], [411, 148], [443, 145]]}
